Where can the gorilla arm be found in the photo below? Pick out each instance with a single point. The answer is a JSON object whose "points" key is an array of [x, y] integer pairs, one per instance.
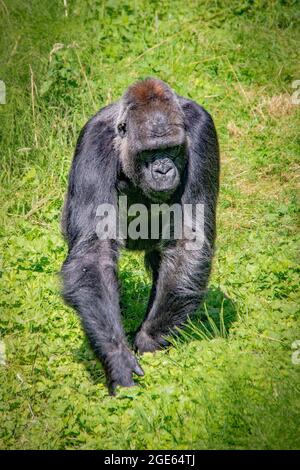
{"points": [[89, 271], [183, 274]]}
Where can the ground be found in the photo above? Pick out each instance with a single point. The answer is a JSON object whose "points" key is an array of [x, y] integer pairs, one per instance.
{"points": [[233, 378]]}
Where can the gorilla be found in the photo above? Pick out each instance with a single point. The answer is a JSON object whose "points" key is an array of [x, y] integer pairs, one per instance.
{"points": [[151, 146]]}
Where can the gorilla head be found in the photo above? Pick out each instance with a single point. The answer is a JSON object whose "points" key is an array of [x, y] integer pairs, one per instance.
{"points": [[151, 138]]}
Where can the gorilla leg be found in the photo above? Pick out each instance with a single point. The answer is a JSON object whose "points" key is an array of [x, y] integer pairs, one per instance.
{"points": [[91, 286], [152, 262], [180, 287]]}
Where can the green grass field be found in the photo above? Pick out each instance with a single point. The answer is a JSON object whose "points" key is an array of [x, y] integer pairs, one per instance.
{"points": [[230, 381]]}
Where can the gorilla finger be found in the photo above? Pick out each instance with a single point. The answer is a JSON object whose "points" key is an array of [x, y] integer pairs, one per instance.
{"points": [[138, 370]]}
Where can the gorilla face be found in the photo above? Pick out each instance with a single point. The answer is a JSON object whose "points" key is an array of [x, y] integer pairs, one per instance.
{"points": [[152, 141], [160, 170]]}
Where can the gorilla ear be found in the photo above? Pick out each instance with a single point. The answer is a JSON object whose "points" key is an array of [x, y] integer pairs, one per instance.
{"points": [[122, 129]]}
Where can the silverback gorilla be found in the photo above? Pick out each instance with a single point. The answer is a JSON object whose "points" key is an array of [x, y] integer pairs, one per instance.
{"points": [[153, 146]]}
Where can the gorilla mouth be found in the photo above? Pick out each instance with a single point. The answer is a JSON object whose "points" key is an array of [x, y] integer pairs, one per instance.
{"points": [[163, 169], [161, 176]]}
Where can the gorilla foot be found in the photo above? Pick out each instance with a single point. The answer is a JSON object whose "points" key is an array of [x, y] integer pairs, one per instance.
{"points": [[145, 343]]}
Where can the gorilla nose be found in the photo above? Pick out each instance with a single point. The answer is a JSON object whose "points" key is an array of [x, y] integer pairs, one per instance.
{"points": [[162, 167]]}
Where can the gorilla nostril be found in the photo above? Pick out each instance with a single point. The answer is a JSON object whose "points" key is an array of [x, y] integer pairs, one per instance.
{"points": [[162, 167]]}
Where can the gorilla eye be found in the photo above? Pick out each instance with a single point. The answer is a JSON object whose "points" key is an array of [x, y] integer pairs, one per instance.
{"points": [[122, 128]]}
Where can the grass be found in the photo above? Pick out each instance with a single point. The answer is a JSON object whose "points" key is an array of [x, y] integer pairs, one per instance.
{"points": [[228, 382]]}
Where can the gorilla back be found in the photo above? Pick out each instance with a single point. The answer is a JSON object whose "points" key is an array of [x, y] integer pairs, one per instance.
{"points": [[153, 147]]}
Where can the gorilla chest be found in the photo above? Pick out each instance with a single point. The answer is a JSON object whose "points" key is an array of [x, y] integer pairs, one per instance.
{"points": [[142, 223]]}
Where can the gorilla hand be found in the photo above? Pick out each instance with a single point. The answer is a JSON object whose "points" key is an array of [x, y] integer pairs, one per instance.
{"points": [[120, 365]]}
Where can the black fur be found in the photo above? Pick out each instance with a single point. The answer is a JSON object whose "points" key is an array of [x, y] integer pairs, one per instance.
{"points": [[103, 168]]}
